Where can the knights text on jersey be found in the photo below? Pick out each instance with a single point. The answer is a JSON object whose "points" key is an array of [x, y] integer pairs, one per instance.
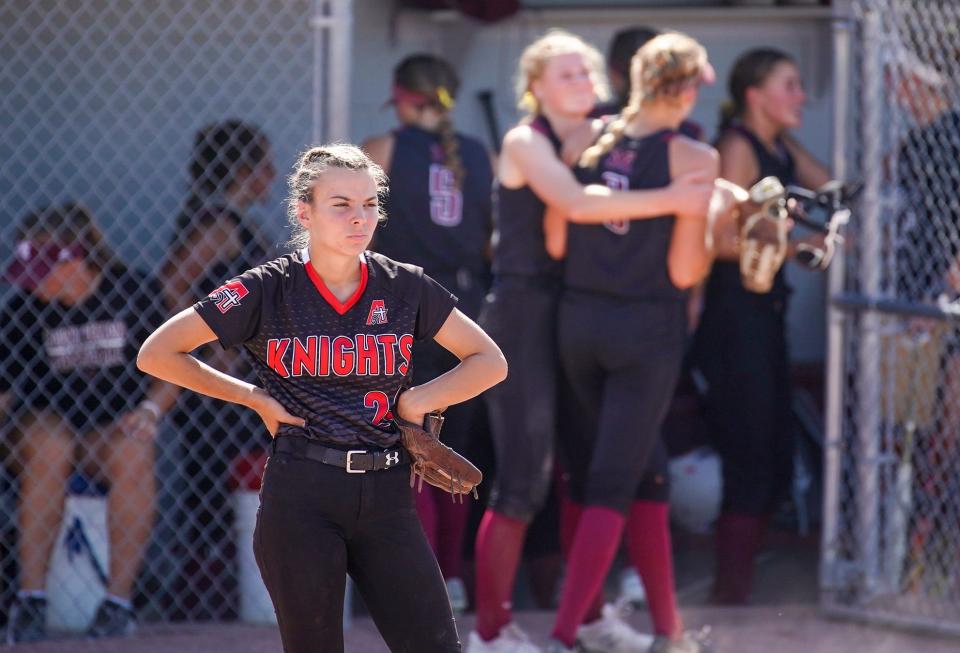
{"points": [[338, 365]]}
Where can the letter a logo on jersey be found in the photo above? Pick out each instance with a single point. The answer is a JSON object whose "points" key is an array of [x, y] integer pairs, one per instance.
{"points": [[378, 313], [229, 295]]}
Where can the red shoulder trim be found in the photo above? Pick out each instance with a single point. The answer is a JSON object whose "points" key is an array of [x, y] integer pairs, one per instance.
{"points": [[336, 304]]}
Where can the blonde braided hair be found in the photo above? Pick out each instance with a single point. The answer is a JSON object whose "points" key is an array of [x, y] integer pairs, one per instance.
{"points": [[660, 71]]}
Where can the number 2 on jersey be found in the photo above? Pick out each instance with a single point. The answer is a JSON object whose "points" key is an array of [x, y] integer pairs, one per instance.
{"points": [[379, 402]]}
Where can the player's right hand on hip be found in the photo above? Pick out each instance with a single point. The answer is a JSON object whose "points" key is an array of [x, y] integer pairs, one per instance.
{"points": [[272, 412]]}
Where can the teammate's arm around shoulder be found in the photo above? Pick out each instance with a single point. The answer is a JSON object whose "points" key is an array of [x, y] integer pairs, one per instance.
{"points": [[166, 355], [482, 365], [528, 158], [689, 258], [554, 219]]}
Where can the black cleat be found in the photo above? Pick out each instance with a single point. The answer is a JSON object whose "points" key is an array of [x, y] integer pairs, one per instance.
{"points": [[112, 620], [28, 620]]}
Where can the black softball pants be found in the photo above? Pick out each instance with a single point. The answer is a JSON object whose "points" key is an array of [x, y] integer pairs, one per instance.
{"points": [[741, 349], [316, 524], [521, 317], [621, 362]]}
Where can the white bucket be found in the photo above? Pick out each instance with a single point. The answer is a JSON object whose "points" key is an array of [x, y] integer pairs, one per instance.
{"points": [[696, 489], [79, 564], [255, 604]]}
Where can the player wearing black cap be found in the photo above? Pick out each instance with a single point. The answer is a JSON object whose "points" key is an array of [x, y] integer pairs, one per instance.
{"points": [[330, 330]]}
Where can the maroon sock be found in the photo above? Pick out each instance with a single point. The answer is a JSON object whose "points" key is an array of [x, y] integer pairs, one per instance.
{"points": [[648, 542], [570, 512], [594, 547], [738, 538], [427, 511], [498, 550], [451, 529]]}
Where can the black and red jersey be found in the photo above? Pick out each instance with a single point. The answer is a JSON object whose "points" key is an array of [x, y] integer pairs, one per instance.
{"points": [[625, 258], [338, 365]]}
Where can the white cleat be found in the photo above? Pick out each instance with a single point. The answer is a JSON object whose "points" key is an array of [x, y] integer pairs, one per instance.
{"points": [[612, 634], [690, 642], [512, 639], [631, 588]]}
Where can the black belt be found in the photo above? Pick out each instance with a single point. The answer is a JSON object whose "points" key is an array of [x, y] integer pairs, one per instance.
{"points": [[355, 461]]}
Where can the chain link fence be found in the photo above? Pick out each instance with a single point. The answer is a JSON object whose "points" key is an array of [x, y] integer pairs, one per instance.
{"points": [[143, 147], [892, 515]]}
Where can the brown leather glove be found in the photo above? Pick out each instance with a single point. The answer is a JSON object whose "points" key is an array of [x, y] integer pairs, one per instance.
{"points": [[763, 235], [435, 462]]}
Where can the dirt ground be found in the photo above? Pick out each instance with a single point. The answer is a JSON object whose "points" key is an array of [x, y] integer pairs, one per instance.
{"points": [[785, 617], [767, 629]]}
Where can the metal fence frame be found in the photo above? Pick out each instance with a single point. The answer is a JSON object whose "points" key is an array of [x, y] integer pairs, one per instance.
{"points": [[860, 454]]}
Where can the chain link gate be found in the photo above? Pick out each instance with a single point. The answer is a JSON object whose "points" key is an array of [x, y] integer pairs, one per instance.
{"points": [[892, 510], [143, 154]]}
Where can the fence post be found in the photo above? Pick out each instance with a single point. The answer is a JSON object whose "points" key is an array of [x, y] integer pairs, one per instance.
{"points": [[835, 317], [868, 359]]}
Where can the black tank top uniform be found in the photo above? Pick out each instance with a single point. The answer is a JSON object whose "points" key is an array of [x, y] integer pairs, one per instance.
{"points": [[622, 258], [741, 349], [621, 334], [339, 365], [520, 314], [725, 276], [432, 223], [519, 248]]}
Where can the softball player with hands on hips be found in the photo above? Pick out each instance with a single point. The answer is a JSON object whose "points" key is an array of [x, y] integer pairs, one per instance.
{"points": [[622, 333], [559, 79], [330, 330]]}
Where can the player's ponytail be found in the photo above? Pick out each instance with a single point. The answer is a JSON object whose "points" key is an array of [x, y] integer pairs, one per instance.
{"points": [[427, 80], [451, 150], [750, 70], [659, 71], [310, 167], [610, 136]]}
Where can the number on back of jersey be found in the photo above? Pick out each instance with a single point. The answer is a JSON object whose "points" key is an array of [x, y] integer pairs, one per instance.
{"points": [[446, 200]]}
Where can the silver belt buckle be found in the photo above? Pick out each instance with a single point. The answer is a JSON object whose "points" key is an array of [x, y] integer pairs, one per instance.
{"points": [[350, 469]]}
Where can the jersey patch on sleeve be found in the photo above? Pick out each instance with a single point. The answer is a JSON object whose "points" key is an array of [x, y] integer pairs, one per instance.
{"points": [[229, 295]]}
